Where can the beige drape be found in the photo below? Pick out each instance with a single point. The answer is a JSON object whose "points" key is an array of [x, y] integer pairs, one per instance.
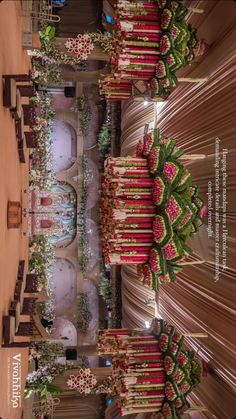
{"points": [[196, 115], [74, 406], [134, 295]]}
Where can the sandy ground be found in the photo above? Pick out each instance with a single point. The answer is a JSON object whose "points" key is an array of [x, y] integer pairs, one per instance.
{"points": [[13, 180]]}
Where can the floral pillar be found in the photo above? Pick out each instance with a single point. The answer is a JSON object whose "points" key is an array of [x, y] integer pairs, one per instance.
{"points": [[151, 372]]}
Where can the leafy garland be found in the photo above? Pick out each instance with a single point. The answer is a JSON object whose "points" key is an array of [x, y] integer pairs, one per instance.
{"points": [[46, 352], [105, 289], [41, 257], [84, 110], [46, 75], [41, 170], [104, 139], [81, 218], [54, 56], [50, 54], [104, 41], [84, 313]]}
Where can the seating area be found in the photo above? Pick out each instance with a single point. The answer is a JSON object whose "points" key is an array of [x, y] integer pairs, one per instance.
{"points": [[17, 89], [22, 324]]}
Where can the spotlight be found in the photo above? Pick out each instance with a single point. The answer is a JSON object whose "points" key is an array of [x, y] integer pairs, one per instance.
{"points": [[159, 106]]}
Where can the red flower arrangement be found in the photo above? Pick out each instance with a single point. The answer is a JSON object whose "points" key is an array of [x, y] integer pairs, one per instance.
{"points": [[155, 261], [155, 159], [148, 144]]}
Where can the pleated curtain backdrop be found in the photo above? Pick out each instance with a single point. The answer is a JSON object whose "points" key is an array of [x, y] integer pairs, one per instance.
{"points": [[196, 115]]}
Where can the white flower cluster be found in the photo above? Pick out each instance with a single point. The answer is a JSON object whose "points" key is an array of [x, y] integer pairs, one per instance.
{"points": [[83, 382], [42, 174]]}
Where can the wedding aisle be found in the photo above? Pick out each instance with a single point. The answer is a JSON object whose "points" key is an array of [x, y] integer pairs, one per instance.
{"points": [[14, 179]]}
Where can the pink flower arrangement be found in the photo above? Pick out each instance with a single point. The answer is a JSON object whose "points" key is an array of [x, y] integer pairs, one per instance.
{"points": [[147, 276], [165, 45], [139, 148], [165, 279], [173, 210], [160, 69], [148, 144], [173, 348], [154, 159], [154, 85], [159, 229], [170, 392], [170, 60], [169, 365], [166, 18], [179, 401], [182, 359], [154, 261], [174, 31], [184, 388], [165, 82], [163, 342], [178, 376], [202, 48], [167, 412], [169, 250], [176, 337], [158, 190], [170, 171], [162, 3]]}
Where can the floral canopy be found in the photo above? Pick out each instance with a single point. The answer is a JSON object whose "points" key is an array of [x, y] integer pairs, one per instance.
{"points": [[153, 371], [149, 210], [150, 42]]}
